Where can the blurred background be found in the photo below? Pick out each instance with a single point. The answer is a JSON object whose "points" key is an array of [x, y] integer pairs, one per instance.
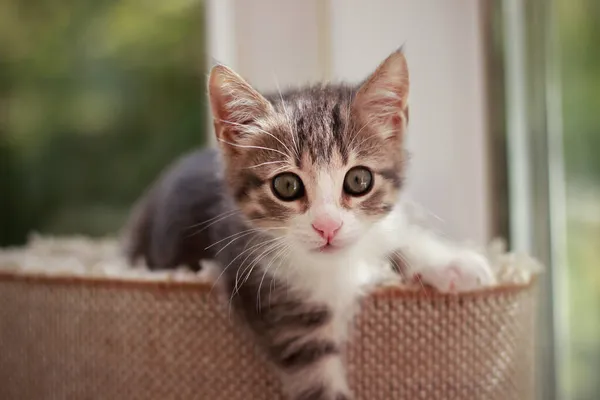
{"points": [[96, 97]]}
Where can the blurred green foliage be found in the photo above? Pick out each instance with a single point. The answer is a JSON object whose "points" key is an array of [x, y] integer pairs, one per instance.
{"points": [[580, 69], [579, 28], [96, 97]]}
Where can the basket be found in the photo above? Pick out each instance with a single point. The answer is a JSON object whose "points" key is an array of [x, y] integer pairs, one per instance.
{"points": [[91, 338]]}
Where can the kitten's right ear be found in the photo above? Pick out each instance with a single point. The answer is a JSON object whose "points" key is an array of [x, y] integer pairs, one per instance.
{"points": [[235, 105]]}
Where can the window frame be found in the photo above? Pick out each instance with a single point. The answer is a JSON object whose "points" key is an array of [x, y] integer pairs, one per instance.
{"points": [[526, 152]]}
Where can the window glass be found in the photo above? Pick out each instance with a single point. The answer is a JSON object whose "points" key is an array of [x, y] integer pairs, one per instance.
{"points": [[579, 29], [96, 97]]}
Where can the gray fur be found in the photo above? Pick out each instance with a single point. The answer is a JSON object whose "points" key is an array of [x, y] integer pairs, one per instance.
{"points": [[163, 233], [201, 201]]}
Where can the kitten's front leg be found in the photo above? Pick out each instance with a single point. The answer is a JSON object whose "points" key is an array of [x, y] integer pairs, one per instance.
{"points": [[442, 265], [464, 271], [302, 340]]}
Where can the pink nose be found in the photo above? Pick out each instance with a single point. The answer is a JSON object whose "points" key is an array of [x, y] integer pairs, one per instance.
{"points": [[327, 227]]}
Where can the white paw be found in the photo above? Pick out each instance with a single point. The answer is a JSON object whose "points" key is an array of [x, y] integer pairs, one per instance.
{"points": [[467, 271]]}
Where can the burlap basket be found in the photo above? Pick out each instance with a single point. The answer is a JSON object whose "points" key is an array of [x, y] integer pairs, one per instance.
{"points": [[86, 338]]}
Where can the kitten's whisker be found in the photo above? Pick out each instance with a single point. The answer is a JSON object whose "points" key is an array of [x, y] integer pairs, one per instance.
{"points": [[273, 281], [229, 213], [247, 146], [240, 273], [287, 117], [358, 132], [260, 130], [413, 208], [374, 135], [275, 257], [235, 288], [410, 268], [386, 114], [248, 233], [347, 127], [378, 116], [251, 267], [254, 249], [407, 266], [230, 236], [281, 256], [266, 163], [209, 225], [266, 219], [251, 230], [280, 169], [370, 121], [422, 285], [233, 240], [420, 280], [236, 257], [255, 262], [250, 242]]}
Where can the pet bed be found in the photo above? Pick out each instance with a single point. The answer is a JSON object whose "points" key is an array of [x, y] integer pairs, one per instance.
{"points": [[76, 323]]}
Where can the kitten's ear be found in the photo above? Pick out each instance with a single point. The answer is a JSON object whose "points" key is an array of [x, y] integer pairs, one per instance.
{"points": [[382, 100], [235, 105]]}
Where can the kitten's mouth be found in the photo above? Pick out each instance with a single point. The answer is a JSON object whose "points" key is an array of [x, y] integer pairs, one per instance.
{"points": [[328, 248]]}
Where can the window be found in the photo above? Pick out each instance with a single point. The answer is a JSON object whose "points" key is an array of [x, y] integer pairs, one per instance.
{"points": [[96, 98], [579, 36], [549, 111]]}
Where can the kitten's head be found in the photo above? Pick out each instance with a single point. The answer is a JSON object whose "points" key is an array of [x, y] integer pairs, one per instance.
{"points": [[318, 165]]}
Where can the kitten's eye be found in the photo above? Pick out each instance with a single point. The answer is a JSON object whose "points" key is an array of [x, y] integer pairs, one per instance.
{"points": [[288, 186], [358, 181]]}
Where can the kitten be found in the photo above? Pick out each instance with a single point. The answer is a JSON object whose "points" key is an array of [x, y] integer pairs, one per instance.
{"points": [[301, 208]]}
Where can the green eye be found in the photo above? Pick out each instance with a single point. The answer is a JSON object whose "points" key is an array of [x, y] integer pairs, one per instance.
{"points": [[288, 186], [358, 181]]}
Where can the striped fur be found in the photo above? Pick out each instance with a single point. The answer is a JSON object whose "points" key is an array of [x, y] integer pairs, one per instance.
{"points": [[318, 133], [298, 299]]}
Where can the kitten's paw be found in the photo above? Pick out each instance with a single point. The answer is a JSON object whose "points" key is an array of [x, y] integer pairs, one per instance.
{"points": [[467, 271]]}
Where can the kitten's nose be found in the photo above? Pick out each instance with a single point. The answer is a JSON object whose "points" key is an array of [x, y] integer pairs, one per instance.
{"points": [[327, 227]]}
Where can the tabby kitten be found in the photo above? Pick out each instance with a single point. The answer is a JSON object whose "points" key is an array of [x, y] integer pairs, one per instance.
{"points": [[301, 208]]}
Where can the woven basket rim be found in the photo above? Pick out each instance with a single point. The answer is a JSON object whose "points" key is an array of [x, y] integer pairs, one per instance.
{"points": [[130, 283]]}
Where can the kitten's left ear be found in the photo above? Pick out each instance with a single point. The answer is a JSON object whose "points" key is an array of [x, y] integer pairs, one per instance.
{"points": [[382, 100]]}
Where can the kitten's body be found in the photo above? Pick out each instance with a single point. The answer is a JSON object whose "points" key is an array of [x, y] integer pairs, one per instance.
{"points": [[166, 227], [295, 266]]}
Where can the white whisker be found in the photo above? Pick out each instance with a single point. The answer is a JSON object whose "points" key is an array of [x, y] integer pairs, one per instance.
{"points": [[247, 146], [236, 257], [228, 213], [211, 224], [275, 257], [371, 136], [267, 163], [254, 249], [273, 280], [359, 131], [409, 267], [230, 236], [255, 262], [261, 131], [287, 117], [270, 246], [280, 169], [348, 120], [248, 232]]}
